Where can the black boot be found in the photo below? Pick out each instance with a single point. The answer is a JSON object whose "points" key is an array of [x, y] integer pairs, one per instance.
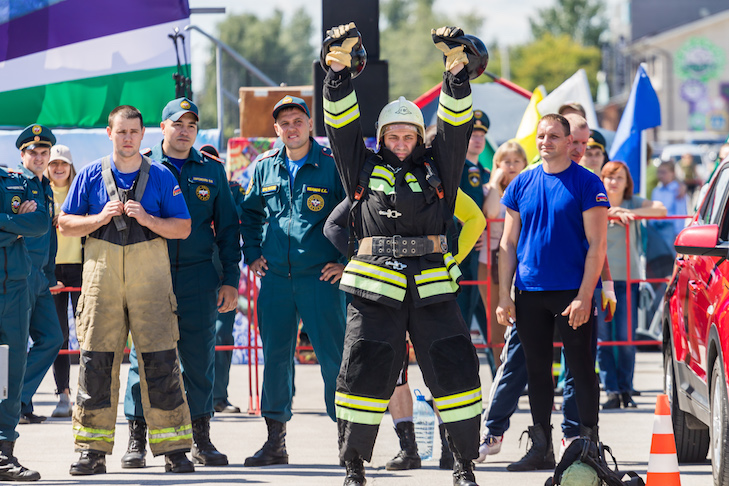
{"points": [[590, 433], [203, 451], [90, 462], [355, 472], [10, 468], [540, 455], [274, 449], [177, 462], [408, 457], [446, 454], [136, 449], [463, 472]]}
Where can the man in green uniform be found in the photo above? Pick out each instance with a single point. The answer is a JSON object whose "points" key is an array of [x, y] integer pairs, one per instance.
{"points": [[200, 292], [35, 144], [19, 216], [290, 196]]}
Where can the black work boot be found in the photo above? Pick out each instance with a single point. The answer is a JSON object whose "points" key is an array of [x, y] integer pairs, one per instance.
{"points": [[203, 451], [355, 472], [540, 455], [136, 449], [177, 462], [446, 454], [90, 462], [408, 457], [463, 472], [10, 468], [590, 433], [274, 449]]}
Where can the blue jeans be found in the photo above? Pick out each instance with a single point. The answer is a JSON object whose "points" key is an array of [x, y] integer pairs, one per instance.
{"points": [[509, 382], [617, 363]]}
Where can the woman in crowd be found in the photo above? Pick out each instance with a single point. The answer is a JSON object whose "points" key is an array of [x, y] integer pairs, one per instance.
{"points": [[61, 173], [509, 160], [617, 363]]}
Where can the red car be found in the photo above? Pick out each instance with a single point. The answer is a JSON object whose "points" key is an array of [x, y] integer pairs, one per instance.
{"points": [[696, 333]]}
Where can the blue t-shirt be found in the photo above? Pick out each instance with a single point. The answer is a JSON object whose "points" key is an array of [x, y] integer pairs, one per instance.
{"points": [[162, 195], [177, 162], [295, 165], [552, 244]]}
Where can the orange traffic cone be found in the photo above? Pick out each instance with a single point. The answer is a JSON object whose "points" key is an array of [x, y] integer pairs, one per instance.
{"points": [[663, 462]]}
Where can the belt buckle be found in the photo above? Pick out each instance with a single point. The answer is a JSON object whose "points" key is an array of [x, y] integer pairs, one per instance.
{"points": [[396, 246]]}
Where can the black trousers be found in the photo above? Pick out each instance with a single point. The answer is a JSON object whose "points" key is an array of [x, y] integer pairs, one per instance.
{"points": [[70, 275], [374, 350], [537, 315]]}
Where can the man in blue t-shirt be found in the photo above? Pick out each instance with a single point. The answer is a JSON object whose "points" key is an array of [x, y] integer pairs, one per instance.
{"points": [[127, 206], [555, 239]]}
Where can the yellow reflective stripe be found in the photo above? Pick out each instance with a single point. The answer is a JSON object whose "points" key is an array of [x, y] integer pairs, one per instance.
{"points": [[377, 184], [361, 403], [384, 274], [453, 269], [437, 288], [383, 173], [358, 417], [338, 107], [413, 182], [338, 121], [455, 105], [170, 433], [374, 286], [432, 275], [86, 433], [448, 259], [455, 119], [457, 400], [463, 413]]}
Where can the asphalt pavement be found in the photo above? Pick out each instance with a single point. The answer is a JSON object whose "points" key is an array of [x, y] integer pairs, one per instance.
{"points": [[312, 441]]}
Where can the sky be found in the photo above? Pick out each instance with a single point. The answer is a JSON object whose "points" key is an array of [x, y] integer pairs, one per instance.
{"points": [[506, 20]]}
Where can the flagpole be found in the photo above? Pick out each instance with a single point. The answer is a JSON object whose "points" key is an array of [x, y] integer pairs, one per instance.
{"points": [[643, 164]]}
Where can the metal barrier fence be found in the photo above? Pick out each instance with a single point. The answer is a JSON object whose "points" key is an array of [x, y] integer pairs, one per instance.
{"points": [[252, 316]]}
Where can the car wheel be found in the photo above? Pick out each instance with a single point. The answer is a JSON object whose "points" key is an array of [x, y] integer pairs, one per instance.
{"points": [[692, 444], [719, 426]]}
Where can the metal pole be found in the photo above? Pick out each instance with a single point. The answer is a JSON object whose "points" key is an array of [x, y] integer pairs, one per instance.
{"points": [[219, 92]]}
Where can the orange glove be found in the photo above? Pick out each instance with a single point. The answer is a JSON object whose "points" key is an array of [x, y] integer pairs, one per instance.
{"points": [[609, 300]]}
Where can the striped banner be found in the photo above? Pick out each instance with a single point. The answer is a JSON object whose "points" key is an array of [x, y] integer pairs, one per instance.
{"points": [[68, 63]]}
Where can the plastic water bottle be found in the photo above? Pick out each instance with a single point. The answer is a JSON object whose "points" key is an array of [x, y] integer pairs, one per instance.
{"points": [[424, 420]]}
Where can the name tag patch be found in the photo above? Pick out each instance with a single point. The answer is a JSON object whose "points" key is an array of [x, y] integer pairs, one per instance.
{"points": [[202, 180], [320, 190], [269, 189]]}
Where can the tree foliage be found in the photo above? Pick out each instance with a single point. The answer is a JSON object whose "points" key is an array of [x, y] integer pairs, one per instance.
{"points": [[415, 65], [582, 20], [550, 60], [281, 50]]}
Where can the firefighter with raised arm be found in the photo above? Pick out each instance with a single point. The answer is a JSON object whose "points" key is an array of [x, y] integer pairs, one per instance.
{"points": [[403, 277]]}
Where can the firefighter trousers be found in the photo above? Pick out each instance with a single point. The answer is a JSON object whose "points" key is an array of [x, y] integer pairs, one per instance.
{"points": [[129, 289], [373, 354]]}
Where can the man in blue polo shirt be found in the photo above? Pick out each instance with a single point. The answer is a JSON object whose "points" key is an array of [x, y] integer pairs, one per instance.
{"points": [[127, 206], [555, 239]]}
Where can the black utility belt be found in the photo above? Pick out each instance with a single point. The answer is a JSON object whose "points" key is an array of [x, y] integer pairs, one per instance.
{"points": [[402, 246]]}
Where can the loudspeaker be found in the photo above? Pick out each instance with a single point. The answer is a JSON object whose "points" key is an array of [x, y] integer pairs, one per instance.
{"points": [[364, 13], [372, 95]]}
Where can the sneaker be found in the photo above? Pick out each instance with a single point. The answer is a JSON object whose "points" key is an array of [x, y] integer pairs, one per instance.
{"points": [[490, 445], [31, 418], [566, 441], [64, 407]]}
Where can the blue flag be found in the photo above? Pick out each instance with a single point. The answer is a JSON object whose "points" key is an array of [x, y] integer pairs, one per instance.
{"points": [[642, 111]]}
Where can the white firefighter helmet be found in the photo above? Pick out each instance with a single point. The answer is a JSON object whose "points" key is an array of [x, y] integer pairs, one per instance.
{"points": [[398, 112]]}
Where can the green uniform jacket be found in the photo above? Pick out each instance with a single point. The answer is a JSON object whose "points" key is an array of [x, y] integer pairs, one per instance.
{"points": [[14, 259], [205, 188], [42, 249], [283, 221]]}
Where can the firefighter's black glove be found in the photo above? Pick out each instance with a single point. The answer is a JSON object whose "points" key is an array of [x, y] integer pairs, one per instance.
{"points": [[447, 40], [339, 44]]}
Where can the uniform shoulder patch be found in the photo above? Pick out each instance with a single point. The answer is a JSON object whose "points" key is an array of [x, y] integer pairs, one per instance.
{"points": [[211, 157], [269, 153], [327, 151], [146, 151]]}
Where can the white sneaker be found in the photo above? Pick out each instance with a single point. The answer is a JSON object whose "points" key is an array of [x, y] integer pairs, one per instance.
{"points": [[566, 441], [490, 445], [64, 407]]}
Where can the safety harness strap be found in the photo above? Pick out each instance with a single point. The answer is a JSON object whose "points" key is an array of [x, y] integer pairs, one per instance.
{"points": [[112, 190]]}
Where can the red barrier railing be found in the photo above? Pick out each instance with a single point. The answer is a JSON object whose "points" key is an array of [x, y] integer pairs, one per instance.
{"points": [[253, 348]]}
